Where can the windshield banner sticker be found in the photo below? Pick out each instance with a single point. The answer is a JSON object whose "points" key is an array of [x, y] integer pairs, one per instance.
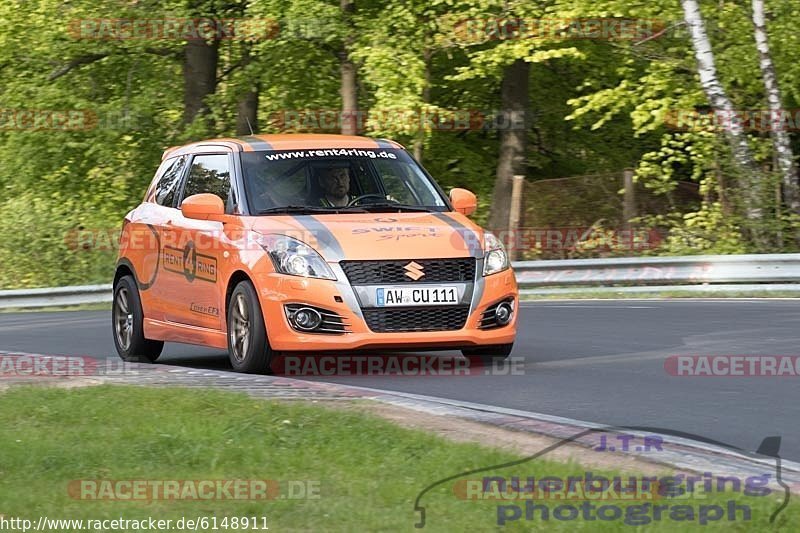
{"points": [[331, 152]]}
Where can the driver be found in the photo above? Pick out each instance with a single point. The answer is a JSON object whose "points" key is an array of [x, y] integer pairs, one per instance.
{"points": [[335, 183]]}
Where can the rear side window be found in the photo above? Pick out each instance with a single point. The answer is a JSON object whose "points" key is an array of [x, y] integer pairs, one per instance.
{"points": [[210, 174], [168, 183]]}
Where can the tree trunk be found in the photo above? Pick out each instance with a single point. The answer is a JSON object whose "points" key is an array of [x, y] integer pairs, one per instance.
{"points": [[780, 138], [349, 80], [513, 140], [247, 105], [748, 180], [247, 113], [419, 139], [199, 77]]}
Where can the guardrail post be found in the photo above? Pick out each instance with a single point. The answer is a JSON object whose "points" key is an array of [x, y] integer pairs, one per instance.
{"points": [[629, 202]]}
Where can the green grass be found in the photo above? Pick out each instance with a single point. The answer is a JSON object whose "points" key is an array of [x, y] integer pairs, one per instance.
{"points": [[369, 470]]}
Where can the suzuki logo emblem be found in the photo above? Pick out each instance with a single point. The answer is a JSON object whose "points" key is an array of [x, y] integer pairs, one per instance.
{"points": [[414, 270]]}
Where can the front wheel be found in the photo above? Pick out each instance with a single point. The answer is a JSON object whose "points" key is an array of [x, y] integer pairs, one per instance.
{"points": [[248, 347], [128, 325]]}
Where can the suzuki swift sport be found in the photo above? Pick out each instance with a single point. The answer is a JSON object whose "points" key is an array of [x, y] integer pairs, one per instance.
{"points": [[278, 243]]}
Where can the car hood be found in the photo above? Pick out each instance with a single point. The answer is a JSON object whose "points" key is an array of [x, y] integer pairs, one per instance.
{"points": [[379, 235]]}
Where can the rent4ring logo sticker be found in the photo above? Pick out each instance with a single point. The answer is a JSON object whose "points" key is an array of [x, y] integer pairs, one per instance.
{"points": [[190, 263]]}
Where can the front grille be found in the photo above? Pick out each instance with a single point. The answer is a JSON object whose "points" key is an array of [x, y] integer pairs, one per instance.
{"points": [[383, 320], [376, 272]]}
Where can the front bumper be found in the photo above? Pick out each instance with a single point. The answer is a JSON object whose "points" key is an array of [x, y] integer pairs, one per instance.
{"points": [[276, 290]]}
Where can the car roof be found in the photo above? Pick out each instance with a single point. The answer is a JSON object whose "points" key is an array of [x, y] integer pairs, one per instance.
{"points": [[282, 141]]}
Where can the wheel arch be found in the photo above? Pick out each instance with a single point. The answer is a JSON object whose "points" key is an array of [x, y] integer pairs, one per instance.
{"points": [[237, 277], [125, 268]]}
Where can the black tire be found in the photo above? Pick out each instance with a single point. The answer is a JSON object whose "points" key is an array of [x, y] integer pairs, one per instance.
{"points": [[254, 354], [127, 325], [487, 355]]}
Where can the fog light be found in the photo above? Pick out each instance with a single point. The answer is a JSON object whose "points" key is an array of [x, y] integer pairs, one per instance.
{"points": [[503, 314], [306, 319]]}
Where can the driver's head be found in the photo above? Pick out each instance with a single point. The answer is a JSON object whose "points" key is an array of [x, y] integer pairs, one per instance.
{"points": [[335, 182]]}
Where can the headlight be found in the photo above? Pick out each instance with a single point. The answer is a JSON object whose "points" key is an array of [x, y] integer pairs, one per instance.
{"points": [[295, 258], [495, 258]]}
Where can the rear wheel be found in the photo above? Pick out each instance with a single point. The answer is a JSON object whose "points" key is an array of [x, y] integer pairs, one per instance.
{"points": [[248, 347], [128, 325], [486, 355]]}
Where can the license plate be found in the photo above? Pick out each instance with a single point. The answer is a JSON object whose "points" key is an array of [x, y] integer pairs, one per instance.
{"points": [[395, 296]]}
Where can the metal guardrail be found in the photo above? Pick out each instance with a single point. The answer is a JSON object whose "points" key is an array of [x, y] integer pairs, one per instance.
{"points": [[640, 274], [701, 273], [55, 297], [609, 291]]}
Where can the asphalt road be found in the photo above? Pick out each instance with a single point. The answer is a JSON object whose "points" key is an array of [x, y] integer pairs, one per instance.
{"points": [[598, 361]]}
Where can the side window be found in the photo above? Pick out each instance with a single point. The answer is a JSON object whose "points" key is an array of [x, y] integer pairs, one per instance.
{"points": [[168, 184], [210, 174]]}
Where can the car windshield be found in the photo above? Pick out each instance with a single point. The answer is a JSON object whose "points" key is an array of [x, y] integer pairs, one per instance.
{"points": [[337, 179]]}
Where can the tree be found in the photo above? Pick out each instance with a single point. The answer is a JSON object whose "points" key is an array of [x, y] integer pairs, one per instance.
{"points": [[721, 105], [505, 51], [247, 103], [780, 137], [348, 73], [199, 76], [513, 140], [399, 46]]}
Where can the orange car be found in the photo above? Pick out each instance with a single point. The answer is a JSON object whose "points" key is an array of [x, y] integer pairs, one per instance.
{"points": [[278, 243]]}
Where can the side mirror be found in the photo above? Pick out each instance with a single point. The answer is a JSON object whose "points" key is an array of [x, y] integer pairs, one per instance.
{"points": [[204, 206], [464, 201]]}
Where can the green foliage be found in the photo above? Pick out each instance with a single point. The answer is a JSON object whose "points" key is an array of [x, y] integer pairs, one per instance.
{"points": [[656, 81], [597, 106]]}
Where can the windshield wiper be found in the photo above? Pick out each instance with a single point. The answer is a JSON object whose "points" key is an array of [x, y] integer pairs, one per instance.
{"points": [[391, 206], [305, 209]]}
